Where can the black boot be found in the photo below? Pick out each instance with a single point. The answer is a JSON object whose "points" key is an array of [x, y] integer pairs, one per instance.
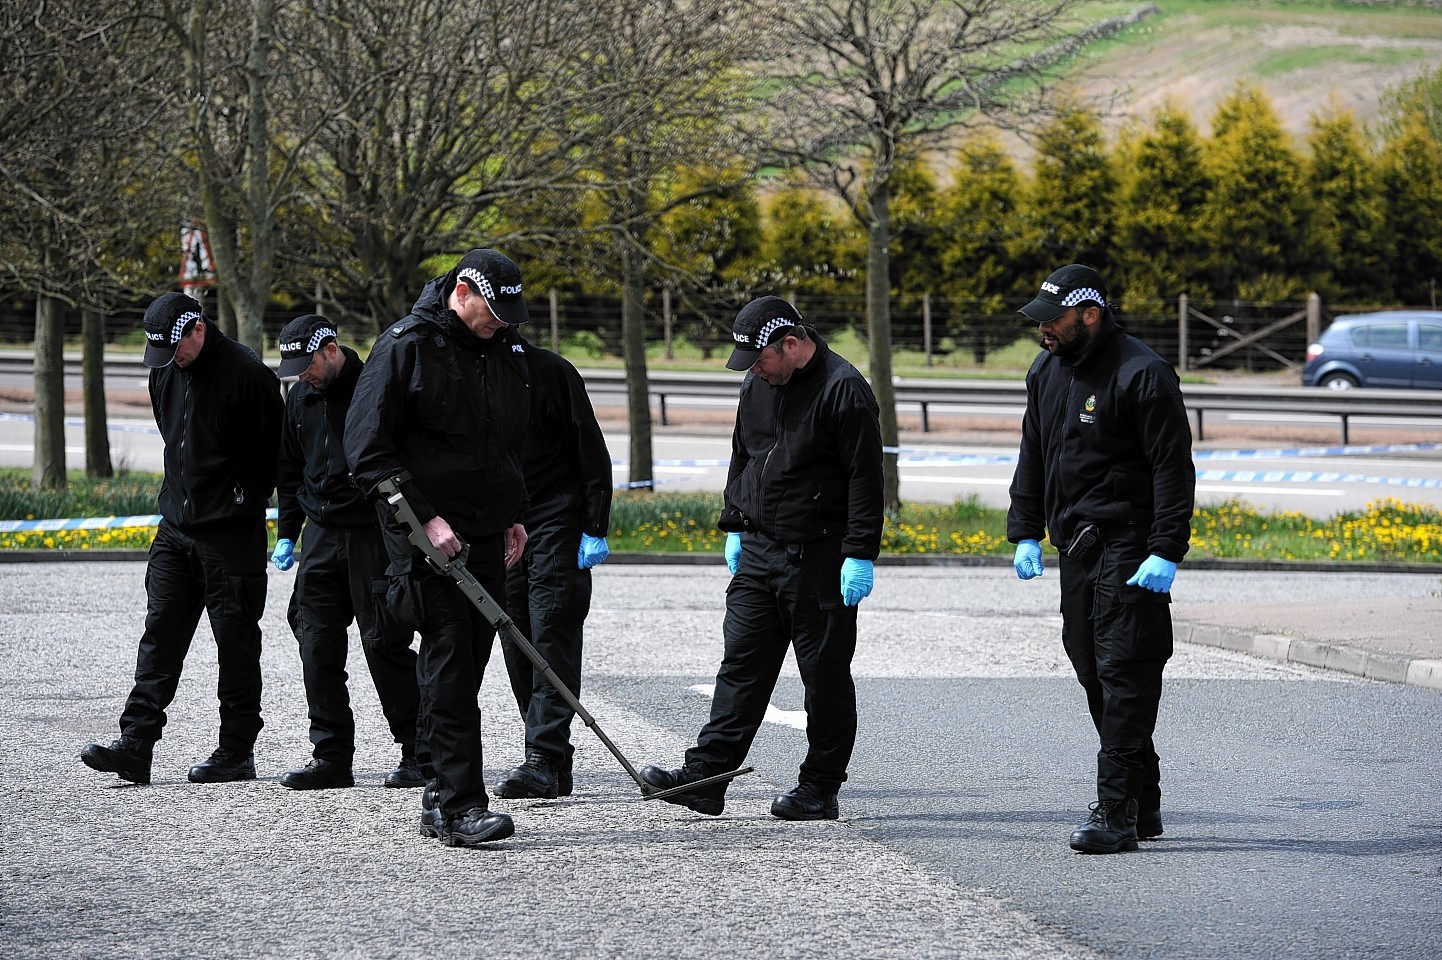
{"points": [[1149, 824], [127, 758], [319, 775], [475, 827], [432, 820], [564, 781], [709, 800], [224, 766], [1111, 828], [809, 801], [537, 777], [406, 774]]}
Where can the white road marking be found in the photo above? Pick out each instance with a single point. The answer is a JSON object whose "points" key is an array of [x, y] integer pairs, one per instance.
{"points": [[774, 714]]}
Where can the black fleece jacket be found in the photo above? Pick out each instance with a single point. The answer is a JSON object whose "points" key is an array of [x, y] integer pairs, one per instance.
{"points": [[1105, 440], [806, 458], [314, 479], [568, 467], [452, 409], [220, 418]]}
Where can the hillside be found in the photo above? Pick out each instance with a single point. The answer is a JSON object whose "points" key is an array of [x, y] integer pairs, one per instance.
{"points": [[1305, 56]]}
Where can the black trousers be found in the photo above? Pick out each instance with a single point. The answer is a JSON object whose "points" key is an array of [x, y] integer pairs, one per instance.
{"points": [[1119, 639], [548, 598], [456, 643], [220, 571], [776, 599], [341, 578]]}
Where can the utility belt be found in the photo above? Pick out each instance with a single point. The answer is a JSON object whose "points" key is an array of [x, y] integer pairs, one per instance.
{"points": [[796, 552]]}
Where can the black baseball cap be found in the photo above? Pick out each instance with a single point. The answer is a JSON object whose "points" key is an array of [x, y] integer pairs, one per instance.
{"points": [[496, 277], [299, 339], [167, 319], [760, 323], [1068, 286]]}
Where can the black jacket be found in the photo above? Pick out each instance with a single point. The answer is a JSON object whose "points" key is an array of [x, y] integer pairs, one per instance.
{"points": [[314, 479], [220, 418], [1105, 440], [806, 458], [568, 468], [449, 407]]}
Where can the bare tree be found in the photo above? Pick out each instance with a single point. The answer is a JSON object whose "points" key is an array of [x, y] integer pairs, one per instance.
{"points": [[680, 101], [241, 122], [863, 83], [71, 211], [451, 116]]}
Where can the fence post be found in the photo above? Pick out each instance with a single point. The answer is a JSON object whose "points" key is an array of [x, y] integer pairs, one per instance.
{"points": [[926, 325], [1314, 317], [555, 324], [666, 324], [1182, 335]]}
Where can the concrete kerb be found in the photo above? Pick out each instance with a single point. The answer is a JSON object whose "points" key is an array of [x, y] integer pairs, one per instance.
{"points": [[1357, 661], [1313, 653]]}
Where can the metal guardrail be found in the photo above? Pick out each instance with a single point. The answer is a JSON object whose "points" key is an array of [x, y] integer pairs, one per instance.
{"points": [[1201, 399], [928, 394]]}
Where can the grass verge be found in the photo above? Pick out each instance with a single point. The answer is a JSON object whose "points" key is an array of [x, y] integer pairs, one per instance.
{"points": [[1386, 531]]}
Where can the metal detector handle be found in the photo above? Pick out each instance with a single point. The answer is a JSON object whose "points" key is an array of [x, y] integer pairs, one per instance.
{"points": [[455, 568]]}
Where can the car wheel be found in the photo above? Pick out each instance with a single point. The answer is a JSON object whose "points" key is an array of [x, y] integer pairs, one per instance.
{"points": [[1337, 381]]}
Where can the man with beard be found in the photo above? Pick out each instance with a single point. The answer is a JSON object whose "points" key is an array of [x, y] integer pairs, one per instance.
{"points": [[1105, 471]]}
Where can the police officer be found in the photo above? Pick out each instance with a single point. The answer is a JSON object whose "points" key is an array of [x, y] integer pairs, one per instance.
{"points": [[443, 402], [341, 565], [1105, 472], [548, 594], [803, 516], [218, 408]]}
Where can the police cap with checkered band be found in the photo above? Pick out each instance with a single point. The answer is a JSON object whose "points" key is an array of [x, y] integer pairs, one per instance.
{"points": [[168, 318], [299, 339], [494, 276], [1073, 284], [760, 323]]}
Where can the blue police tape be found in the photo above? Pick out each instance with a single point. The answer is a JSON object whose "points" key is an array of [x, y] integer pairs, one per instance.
{"points": [[91, 523], [1312, 476]]}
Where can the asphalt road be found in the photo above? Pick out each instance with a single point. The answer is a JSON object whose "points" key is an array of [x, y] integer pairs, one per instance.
{"points": [[1301, 818]]}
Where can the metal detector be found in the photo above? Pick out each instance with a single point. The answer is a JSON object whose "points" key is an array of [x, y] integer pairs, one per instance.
{"points": [[455, 568]]}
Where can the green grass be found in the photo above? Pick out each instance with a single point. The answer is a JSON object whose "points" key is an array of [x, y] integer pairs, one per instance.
{"points": [[130, 495], [1329, 56], [1387, 530]]}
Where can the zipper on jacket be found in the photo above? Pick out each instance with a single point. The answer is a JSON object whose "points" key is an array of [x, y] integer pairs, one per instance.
{"points": [[761, 480], [184, 438]]}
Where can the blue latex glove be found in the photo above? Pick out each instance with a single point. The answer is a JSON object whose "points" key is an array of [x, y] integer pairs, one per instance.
{"points": [[593, 551], [1155, 574], [1027, 561], [855, 581], [733, 552], [284, 555]]}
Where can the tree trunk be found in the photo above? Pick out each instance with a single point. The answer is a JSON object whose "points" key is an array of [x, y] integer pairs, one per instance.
{"points": [[243, 273], [49, 470], [250, 317], [878, 320], [633, 350], [97, 439], [224, 312]]}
